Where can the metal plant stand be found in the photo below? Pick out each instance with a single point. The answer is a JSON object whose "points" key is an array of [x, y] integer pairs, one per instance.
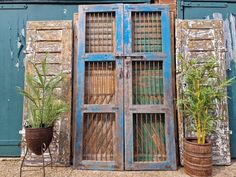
{"points": [[43, 149]]}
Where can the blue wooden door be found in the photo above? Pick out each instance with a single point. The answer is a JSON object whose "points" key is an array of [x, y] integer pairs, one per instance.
{"points": [[149, 120], [99, 131], [124, 74]]}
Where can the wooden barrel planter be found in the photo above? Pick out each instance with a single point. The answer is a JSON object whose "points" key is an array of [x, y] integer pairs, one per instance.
{"points": [[197, 158]]}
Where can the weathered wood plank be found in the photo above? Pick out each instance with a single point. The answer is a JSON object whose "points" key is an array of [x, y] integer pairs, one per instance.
{"points": [[212, 44], [53, 38]]}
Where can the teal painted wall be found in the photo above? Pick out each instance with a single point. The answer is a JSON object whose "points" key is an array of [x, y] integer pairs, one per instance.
{"points": [[200, 10], [12, 44]]}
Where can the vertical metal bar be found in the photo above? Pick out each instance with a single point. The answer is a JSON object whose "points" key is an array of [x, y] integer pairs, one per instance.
{"points": [[102, 85], [106, 82], [150, 83], [155, 127], [160, 75], [160, 134], [98, 32], [158, 84], [156, 14], [89, 82], [149, 38], [151, 139], [141, 126], [144, 25], [93, 117], [88, 16], [93, 39], [140, 29], [93, 85], [140, 84], [106, 136], [96, 83], [153, 30], [113, 81], [108, 32], [135, 70], [136, 118], [146, 138], [154, 82], [145, 86], [160, 125], [109, 81]]}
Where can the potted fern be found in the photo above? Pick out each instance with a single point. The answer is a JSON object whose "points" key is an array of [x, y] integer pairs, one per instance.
{"points": [[43, 106], [204, 87]]}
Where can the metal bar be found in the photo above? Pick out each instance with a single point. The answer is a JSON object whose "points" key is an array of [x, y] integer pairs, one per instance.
{"points": [[89, 23], [106, 137], [153, 50], [160, 82], [102, 26], [150, 84], [106, 81], [144, 25], [141, 126], [157, 32], [136, 84], [155, 131], [94, 32], [98, 24], [148, 18], [160, 134], [154, 82], [151, 131], [140, 39], [146, 138], [107, 30]]}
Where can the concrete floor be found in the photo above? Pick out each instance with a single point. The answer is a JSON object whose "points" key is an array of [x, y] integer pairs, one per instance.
{"points": [[10, 168]]}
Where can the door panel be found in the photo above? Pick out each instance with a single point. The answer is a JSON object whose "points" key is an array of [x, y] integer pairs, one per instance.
{"points": [[149, 120], [133, 83], [99, 138]]}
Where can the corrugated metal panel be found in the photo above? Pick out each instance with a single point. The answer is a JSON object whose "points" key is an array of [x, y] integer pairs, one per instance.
{"points": [[53, 38], [201, 39]]}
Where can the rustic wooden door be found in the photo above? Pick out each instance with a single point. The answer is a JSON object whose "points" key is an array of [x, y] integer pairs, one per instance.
{"points": [[99, 132], [149, 120], [124, 74]]}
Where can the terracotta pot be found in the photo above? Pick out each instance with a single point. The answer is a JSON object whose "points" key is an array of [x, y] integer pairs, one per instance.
{"points": [[38, 139], [197, 158]]}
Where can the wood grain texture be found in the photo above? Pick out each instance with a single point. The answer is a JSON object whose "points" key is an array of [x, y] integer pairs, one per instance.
{"points": [[53, 38], [202, 39]]}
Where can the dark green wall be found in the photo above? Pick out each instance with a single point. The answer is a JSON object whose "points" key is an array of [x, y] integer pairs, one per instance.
{"points": [[200, 10]]}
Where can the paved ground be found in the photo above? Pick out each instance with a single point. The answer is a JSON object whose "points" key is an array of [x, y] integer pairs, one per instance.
{"points": [[10, 168]]}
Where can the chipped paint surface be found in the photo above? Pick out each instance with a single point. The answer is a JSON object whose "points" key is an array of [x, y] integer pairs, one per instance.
{"points": [[201, 39], [55, 39]]}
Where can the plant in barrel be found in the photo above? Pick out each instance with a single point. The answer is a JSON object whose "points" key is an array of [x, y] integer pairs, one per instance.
{"points": [[204, 86], [43, 105]]}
